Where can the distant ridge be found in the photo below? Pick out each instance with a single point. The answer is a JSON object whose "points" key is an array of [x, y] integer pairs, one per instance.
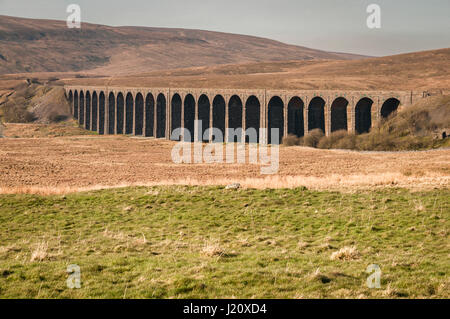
{"points": [[34, 45]]}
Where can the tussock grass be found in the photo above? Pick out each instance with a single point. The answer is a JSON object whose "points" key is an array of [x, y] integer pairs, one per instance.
{"points": [[213, 249], [345, 253], [40, 252], [199, 242]]}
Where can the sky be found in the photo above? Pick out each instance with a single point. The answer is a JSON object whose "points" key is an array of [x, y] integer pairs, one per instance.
{"points": [[331, 25]]}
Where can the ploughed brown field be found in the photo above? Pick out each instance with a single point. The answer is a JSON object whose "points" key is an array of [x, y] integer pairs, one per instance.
{"points": [[30, 162]]}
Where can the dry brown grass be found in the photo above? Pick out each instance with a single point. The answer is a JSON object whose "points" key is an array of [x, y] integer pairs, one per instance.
{"points": [[345, 253], [40, 252], [334, 182], [127, 239], [302, 245], [213, 249], [317, 275], [69, 128], [9, 248]]}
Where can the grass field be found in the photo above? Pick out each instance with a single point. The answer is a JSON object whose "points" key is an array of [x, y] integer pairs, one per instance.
{"points": [[198, 242]]}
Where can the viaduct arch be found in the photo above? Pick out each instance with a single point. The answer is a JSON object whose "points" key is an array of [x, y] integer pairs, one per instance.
{"points": [[175, 114], [339, 114], [218, 117], [252, 116], [161, 115], [276, 119], [149, 115], [389, 106], [316, 114], [296, 122], [204, 114], [156, 112]]}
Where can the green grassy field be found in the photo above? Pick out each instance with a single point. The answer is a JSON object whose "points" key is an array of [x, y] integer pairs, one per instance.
{"points": [[208, 242]]}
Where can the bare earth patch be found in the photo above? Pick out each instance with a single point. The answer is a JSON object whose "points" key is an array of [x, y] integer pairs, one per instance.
{"points": [[73, 163]]}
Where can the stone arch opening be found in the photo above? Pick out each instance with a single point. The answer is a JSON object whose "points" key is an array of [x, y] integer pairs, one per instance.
{"points": [[81, 119], [139, 114], [296, 123], [189, 117], [129, 114], [120, 113], [111, 113], [316, 114], [160, 115], [87, 122], [70, 98], [203, 115], [235, 118], [339, 114], [75, 105], [252, 116], [219, 115], [389, 107], [149, 115], [101, 113], [276, 119], [363, 116], [94, 111], [175, 115]]}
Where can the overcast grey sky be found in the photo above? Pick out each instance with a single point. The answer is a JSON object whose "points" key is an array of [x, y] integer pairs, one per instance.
{"points": [[333, 25]]}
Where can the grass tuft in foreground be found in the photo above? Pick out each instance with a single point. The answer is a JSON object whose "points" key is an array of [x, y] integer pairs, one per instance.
{"points": [[198, 242]]}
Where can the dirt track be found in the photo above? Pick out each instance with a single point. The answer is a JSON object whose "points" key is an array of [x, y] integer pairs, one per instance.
{"points": [[62, 164]]}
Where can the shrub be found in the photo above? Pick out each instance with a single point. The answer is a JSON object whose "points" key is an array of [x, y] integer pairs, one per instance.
{"points": [[378, 139], [13, 113], [55, 117], [313, 137], [332, 140], [347, 143], [291, 140]]}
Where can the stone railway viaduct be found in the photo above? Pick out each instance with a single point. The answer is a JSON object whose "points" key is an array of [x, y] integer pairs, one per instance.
{"points": [[156, 112]]}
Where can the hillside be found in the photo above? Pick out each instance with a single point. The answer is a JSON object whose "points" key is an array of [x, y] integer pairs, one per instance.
{"points": [[427, 70], [31, 45]]}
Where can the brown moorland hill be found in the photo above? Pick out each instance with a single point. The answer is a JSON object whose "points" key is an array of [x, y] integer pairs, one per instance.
{"points": [[427, 70], [32, 45], [420, 71]]}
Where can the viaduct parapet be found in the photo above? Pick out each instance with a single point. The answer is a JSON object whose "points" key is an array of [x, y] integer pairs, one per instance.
{"points": [[156, 112]]}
